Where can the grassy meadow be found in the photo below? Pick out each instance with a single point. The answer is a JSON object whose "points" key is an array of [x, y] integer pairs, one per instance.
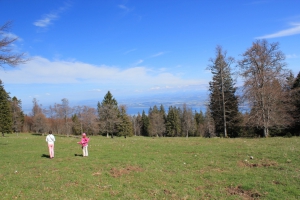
{"points": [[150, 168]]}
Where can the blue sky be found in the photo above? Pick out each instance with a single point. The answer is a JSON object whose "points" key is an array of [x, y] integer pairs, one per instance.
{"points": [[137, 49]]}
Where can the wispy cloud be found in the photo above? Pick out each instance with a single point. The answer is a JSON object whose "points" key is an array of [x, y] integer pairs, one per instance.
{"points": [[125, 8], [138, 62], [157, 54], [11, 35], [47, 19], [292, 56], [129, 51], [287, 32]]}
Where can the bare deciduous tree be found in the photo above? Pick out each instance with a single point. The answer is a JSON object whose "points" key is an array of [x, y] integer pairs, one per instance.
{"points": [[188, 123], [7, 55], [157, 126], [262, 68]]}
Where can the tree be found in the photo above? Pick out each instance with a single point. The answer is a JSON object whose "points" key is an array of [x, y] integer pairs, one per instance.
{"points": [[7, 56], [262, 68], [144, 124], [125, 126], [187, 121], [17, 114], [173, 128], [200, 121], [39, 120], [5, 111], [295, 93], [156, 123], [65, 112], [108, 114], [209, 124], [223, 103]]}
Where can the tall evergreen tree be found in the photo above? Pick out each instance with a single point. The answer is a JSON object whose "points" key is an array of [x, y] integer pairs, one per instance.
{"points": [[173, 126], [125, 126], [17, 114], [223, 103], [296, 104], [5, 111], [108, 114], [145, 124]]}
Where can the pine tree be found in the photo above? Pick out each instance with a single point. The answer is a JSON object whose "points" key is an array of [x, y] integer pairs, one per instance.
{"points": [[173, 126], [17, 114], [144, 124], [108, 114], [296, 104], [125, 126], [223, 103], [5, 111]]}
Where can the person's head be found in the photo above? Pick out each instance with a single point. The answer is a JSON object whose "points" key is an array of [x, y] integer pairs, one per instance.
{"points": [[83, 135], [50, 132]]}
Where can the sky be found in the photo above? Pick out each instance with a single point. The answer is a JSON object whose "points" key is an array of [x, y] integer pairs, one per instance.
{"points": [[142, 51]]}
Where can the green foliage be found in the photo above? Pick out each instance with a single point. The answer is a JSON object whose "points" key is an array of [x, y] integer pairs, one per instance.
{"points": [[173, 125], [125, 126], [223, 101], [145, 124], [5, 111]]}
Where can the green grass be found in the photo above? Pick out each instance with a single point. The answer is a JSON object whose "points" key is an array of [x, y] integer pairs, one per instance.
{"points": [[146, 168]]}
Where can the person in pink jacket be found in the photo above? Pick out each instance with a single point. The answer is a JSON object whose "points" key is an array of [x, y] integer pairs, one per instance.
{"points": [[84, 142]]}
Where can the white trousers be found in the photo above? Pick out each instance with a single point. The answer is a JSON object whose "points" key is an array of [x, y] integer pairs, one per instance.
{"points": [[85, 150]]}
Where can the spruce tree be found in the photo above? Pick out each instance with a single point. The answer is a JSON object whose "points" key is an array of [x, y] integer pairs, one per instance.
{"points": [[108, 114], [17, 114], [5, 111], [173, 126], [296, 104], [145, 124], [223, 103], [125, 125]]}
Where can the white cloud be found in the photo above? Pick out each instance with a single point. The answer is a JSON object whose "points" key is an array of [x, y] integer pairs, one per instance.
{"points": [[43, 71], [47, 19], [292, 56], [138, 62], [287, 32]]}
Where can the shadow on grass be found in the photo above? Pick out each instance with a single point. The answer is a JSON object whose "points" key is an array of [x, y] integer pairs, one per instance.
{"points": [[78, 155], [45, 156], [37, 134]]}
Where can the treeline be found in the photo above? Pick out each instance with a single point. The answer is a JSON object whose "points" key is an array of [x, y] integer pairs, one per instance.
{"points": [[270, 95]]}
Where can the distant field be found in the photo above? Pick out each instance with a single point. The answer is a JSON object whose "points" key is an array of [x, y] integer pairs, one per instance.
{"points": [[146, 168]]}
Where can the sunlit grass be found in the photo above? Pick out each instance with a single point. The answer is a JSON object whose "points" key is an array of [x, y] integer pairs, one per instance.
{"points": [[150, 168]]}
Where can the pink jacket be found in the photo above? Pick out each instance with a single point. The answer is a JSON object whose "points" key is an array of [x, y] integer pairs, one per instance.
{"points": [[84, 141]]}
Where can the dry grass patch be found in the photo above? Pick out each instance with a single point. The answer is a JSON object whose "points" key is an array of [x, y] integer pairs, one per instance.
{"points": [[244, 194], [262, 163], [120, 172]]}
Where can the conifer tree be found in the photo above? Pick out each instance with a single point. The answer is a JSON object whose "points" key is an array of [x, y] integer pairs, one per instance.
{"points": [[144, 124], [223, 103], [108, 114], [173, 126], [296, 104], [125, 125], [5, 111], [17, 114]]}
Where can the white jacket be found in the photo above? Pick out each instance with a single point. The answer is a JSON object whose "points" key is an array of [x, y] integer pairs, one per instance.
{"points": [[50, 139]]}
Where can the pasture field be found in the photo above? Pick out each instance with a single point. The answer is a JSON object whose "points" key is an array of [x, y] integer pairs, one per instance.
{"points": [[150, 168]]}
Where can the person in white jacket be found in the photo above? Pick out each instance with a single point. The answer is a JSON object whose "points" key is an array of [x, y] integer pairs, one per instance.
{"points": [[50, 139]]}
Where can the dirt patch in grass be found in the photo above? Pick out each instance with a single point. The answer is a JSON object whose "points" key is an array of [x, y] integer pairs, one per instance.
{"points": [[244, 194], [120, 172], [262, 163]]}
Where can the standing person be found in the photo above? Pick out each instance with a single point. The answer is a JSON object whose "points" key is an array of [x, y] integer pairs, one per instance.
{"points": [[84, 142], [50, 139]]}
